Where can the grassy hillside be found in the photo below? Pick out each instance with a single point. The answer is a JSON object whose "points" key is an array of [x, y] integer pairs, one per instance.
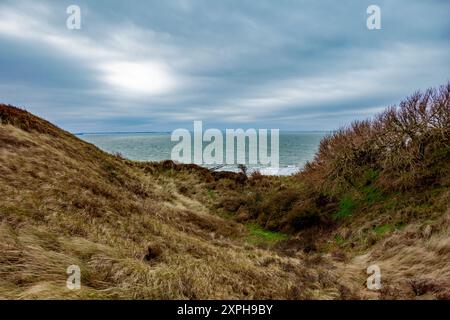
{"points": [[376, 193], [133, 232]]}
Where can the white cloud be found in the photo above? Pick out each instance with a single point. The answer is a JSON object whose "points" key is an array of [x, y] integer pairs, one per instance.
{"points": [[146, 78], [115, 66]]}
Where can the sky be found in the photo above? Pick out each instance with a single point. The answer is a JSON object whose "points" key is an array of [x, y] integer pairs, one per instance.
{"points": [[160, 65]]}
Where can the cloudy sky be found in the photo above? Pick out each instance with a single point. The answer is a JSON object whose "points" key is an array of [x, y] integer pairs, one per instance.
{"points": [[159, 65]]}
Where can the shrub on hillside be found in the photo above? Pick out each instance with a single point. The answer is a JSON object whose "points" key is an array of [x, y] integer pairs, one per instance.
{"points": [[406, 147], [408, 144]]}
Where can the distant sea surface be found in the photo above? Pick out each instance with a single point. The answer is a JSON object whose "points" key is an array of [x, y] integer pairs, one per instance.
{"points": [[296, 148]]}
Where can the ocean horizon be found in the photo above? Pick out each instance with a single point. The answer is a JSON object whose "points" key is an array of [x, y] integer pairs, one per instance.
{"points": [[295, 148]]}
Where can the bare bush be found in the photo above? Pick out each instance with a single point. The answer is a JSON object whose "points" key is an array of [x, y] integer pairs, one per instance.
{"points": [[403, 143]]}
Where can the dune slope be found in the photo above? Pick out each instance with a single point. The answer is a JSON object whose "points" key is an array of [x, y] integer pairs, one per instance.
{"points": [[134, 235], [377, 193]]}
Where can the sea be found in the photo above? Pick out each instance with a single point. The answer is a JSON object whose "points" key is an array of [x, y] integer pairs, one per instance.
{"points": [[295, 149]]}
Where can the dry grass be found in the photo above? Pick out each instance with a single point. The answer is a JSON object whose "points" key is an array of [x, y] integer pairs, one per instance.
{"points": [[168, 231], [133, 233]]}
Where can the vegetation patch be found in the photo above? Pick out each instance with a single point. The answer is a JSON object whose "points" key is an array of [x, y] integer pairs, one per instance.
{"points": [[258, 235], [380, 230], [346, 207]]}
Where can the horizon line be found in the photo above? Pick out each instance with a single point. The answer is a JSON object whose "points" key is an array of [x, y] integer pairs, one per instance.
{"points": [[168, 132]]}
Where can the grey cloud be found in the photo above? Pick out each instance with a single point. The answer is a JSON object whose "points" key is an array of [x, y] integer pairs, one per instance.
{"points": [[298, 65]]}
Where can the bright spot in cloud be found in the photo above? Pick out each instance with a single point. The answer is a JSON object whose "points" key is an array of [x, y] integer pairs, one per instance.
{"points": [[146, 78]]}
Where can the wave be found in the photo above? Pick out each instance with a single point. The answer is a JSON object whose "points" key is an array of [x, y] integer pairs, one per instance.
{"points": [[267, 171]]}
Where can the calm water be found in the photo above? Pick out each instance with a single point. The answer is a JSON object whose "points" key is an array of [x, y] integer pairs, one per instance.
{"points": [[295, 148]]}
